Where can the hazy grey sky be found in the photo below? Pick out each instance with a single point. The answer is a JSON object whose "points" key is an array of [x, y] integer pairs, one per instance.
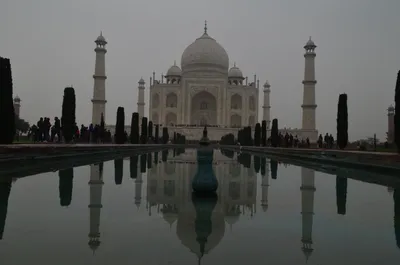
{"points": [[51, 44]]}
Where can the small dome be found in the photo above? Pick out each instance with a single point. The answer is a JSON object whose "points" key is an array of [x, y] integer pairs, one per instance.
{"points": [[235, 72], [205, 52], [391, 108], [17, 99], [310, 44], [174, 71], [267, 85], [101, 39], [141, 81]]}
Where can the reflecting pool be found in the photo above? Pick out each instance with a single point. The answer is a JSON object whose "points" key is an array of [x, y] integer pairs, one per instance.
{"points": [[141, 210]]}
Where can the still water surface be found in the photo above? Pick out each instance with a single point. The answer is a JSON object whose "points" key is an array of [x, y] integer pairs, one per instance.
{"points": [[134, 212]]}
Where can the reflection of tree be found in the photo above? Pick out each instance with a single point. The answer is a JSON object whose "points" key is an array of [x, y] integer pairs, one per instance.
{"points": [[149, 160], [133, 166], [164, 155], [341, 194], [396, 198], [5, 189], [263, 166], [228, 153], [274, 169], [118, 171], [244, 159], [65, 186], [257, 165], [143, 159], [156, 158]]}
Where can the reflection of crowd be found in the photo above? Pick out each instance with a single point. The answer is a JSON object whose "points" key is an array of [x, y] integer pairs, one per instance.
{"points": [[288, 140]]}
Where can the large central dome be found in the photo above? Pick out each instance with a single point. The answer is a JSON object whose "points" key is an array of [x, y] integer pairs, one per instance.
{"points": [[205, 52]]}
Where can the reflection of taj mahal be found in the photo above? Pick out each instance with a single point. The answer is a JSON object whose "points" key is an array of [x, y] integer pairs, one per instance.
{"points": [[169, 193], [205, 90]]}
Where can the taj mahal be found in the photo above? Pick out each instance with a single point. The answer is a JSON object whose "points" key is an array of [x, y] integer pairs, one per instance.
{"points": [[204, 90]]}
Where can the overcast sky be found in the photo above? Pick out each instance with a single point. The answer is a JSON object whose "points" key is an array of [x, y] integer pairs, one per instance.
{"points": [[51, 44]]}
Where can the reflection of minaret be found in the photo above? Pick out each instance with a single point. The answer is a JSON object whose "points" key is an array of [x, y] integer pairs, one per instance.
{"points": [[307, 209], [396, 198], [96, 186], [5, 189], [264, 190], [138, 190]]}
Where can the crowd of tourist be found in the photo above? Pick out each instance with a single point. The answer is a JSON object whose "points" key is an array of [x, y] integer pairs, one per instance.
{"points": [[45, 131]]}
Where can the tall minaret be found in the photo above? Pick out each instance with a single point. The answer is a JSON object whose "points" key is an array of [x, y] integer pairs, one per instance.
{"points": [[267, 106], [140, 103], [309, 82], [99, 88], [96, 186], [17, 106], [307, 209], [264, 189], [390, 132], [138, 190]]}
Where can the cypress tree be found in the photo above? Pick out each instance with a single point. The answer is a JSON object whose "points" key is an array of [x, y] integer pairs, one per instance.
{"points": [[133, 166], [397, 113], [118, 171], [157, 134], [264, 133], [165, 135], [120, 126], [7, 114], [65, 185], [135, 128], [68, 118], [342, 122], [274, 168], [274, 133], [257, 135], [150, 130], [143, 136], [143, 160]]}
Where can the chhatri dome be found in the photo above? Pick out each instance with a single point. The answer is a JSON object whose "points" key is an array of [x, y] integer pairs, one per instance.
{"points": [[174, 71], [235, 72], [205, 52]]}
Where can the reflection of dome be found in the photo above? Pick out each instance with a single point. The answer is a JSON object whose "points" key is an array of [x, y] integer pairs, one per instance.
{"points": [[94, 244], [235, 72], [170, 213], [205, 51], [185, 230], [174, 71]]}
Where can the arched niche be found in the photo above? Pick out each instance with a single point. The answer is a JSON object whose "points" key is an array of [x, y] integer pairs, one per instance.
{"points": [[203, 109], [155, 100], [234, 190], [252, 120], [252, 103], [169, 188], [170, 119], [236, 121], [236, 102], [171, 101], [154, 118]]}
